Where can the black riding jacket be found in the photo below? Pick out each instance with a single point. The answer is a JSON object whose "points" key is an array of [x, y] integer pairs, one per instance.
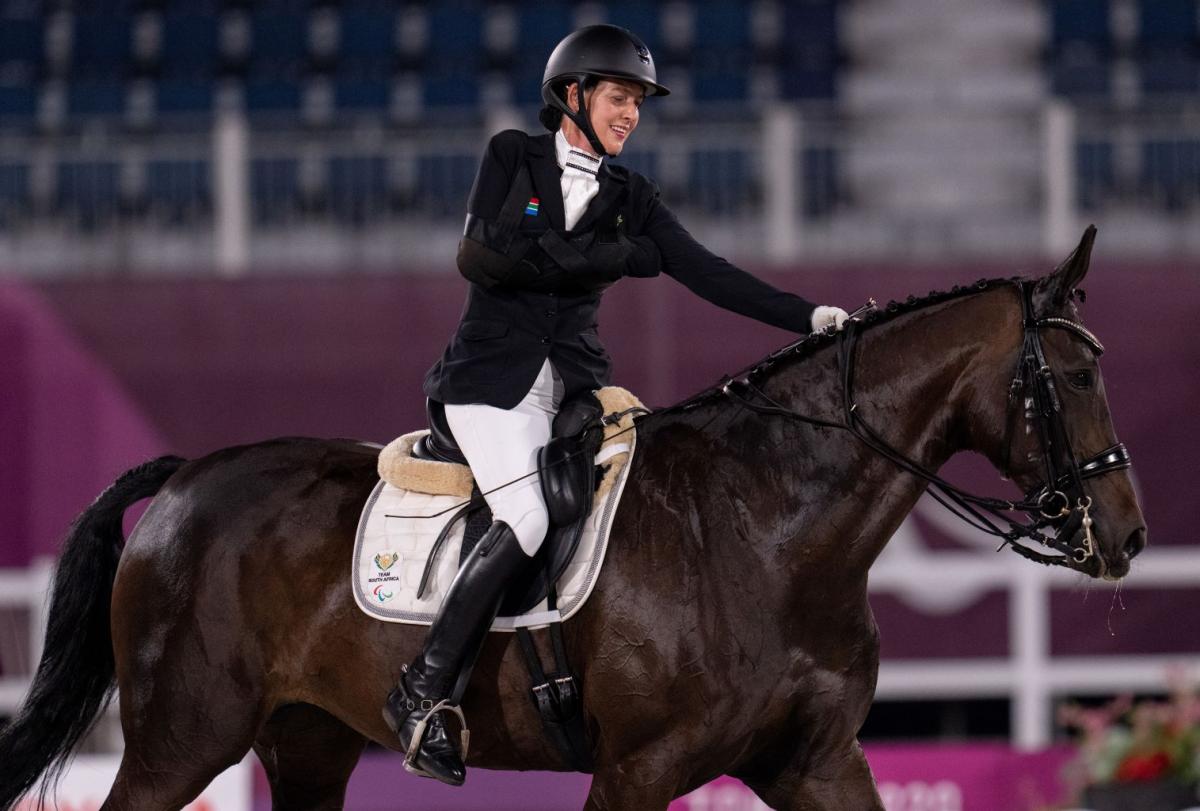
{"points": [[535, 287]]}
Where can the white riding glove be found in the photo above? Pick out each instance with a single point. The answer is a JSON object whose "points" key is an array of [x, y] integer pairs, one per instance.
{"points": [[825, 317]]}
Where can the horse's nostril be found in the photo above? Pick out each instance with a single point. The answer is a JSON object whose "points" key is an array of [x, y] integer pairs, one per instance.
{"points": [[1136, 542]]}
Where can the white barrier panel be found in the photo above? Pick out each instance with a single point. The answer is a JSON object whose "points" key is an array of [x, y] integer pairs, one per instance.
{"points": [[87, 782]]}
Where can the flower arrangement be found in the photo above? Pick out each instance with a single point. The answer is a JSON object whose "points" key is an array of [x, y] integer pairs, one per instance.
{"points": [[1129, 741]]}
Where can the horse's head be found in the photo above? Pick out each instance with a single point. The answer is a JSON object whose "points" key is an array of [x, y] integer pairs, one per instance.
{"points": [[1056, 438]]}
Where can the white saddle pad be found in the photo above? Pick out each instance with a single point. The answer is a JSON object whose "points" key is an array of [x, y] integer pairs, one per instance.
{"points": [[399, 526]]}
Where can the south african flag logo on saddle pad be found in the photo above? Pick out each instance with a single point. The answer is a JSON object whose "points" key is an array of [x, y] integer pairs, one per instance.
{"points": [[531, 208]]}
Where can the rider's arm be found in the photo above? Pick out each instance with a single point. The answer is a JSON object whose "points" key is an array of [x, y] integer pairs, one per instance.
{"points": [[478, 260], [716, 280], [504, 151]]}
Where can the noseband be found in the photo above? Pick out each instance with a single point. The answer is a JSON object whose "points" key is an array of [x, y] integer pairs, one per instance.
{"points": [[1049, 504]]}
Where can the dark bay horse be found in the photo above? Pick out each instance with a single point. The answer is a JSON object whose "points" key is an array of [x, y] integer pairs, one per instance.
{"points": [[729, 632]]}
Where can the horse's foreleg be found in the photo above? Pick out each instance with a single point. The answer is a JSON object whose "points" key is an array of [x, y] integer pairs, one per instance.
{"points": [[308, 755], [638, 781], [836, 781]]}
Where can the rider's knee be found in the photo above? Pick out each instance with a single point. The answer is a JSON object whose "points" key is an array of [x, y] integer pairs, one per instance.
{"points": [[531, 529]]}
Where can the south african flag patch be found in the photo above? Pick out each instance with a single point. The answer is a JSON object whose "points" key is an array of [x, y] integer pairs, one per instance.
{"points": [[531, 208]]}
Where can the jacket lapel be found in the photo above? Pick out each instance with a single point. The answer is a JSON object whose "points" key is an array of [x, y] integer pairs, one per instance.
{"points": [[547, 183], [610, 188]]}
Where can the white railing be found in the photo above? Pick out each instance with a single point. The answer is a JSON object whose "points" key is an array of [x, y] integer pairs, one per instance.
{"points": [[1030, 677], [28, 590], [785, 184]]}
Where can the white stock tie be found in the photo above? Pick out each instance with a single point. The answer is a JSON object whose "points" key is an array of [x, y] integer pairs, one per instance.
{"points": [[579, 182]]}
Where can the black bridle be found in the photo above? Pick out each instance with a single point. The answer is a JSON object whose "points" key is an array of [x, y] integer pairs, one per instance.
{"points": [[1050, 504]]}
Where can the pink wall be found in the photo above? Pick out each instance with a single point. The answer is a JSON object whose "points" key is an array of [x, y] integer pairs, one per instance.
{"points": [[67, 427], [979, 777], [100, 374]]}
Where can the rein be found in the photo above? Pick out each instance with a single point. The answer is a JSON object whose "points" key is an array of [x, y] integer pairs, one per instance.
{"points": [[1048, 504]]}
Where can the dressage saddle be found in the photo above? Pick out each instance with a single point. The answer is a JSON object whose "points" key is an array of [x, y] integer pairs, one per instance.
{"points": [[568, 480]]}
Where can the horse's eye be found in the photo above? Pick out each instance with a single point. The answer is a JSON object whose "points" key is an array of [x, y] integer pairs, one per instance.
{"points": [[1081, 379]]}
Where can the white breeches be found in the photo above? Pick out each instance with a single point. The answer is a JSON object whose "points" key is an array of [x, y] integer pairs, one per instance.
{"points": [[502, 444]]}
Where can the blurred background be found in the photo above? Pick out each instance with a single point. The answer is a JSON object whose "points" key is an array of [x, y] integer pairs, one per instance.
{"points": [[227, 221]]}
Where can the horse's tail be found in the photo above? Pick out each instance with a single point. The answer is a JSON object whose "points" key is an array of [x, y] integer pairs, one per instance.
{"points": [[73, 682]]}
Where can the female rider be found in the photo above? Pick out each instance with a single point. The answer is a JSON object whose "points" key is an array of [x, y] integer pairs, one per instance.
{"points": [[550, 224]]}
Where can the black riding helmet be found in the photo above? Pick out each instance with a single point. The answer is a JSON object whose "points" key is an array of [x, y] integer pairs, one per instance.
{"points": [[595, 52]]}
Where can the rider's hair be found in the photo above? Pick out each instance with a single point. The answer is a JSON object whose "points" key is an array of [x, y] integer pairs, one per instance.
{"points": [[551, 117]]}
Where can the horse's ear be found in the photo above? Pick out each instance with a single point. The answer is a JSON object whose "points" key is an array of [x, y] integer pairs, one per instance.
{"points": [[1067, 276]]}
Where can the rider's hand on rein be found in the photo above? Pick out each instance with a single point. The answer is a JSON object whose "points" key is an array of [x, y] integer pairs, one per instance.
{"points": [[823, 318]]}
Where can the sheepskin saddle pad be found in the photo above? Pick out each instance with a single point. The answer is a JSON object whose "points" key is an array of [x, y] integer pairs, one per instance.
{"points": [[416, 498]]}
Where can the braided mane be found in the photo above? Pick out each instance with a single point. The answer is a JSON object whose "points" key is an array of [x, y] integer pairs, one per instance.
{"points": [[809, 344]]}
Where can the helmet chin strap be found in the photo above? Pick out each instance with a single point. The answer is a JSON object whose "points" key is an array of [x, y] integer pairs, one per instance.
{"points": [[581, 118]]}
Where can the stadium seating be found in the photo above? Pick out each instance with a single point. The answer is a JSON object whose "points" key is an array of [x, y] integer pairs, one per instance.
{"points": [[87, 193], [178, 191], [1171, 172], [161, 66], [15, 199]]}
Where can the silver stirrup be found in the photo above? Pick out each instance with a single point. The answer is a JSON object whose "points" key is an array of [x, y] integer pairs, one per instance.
{"points": [[414, 746]]}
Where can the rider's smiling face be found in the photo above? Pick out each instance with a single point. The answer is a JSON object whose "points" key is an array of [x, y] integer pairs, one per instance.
{"points": [[614, 108]]}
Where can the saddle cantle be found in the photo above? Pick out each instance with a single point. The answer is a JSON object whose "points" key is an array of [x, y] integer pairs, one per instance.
{"points": [[418, 482]]}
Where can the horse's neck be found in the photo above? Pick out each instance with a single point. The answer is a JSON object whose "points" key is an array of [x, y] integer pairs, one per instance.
{"points": [[912, 381]]}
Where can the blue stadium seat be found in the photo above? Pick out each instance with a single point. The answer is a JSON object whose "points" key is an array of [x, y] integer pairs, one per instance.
{"points": [[720, 84], [809, 57], [644, 163], [1171, 172], [272, 94], [1080, 21], [14, 193], [278, 40], [187, 95], [211, 8], [454, 90], [18, 103], [455, 35], [444, 181], [14, 184], [189, 44], [1170, 73], [101, 45], [88, 192], [527, 83], [721, 53], [1080, 71], [639, 17], [367, 35], [361, 93], [819, 169], [720, 180], [179, 191], [540, 26], [721, 26], [106, 8], [101, 97], [1095, 175], [274, 189], [810, 21], [22, 41], [809, 73], [1167, 22], [358, 188]]}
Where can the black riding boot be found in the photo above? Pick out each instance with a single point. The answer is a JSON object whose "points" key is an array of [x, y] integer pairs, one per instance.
{"points": [[457, 632]]}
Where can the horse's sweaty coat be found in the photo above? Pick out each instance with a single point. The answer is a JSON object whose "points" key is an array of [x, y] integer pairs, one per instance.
{"points": [[390, 551]]}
